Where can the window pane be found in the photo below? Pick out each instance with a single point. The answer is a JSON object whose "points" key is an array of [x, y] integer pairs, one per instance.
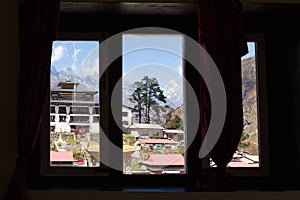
{"points": [[248, 146], [153, 108], [74, 104], [247, 154]]}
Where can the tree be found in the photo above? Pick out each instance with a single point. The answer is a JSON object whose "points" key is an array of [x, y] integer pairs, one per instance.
{"points": [[137, 98], [244, 142], [161, 114], [175, 123], [145, 94]]}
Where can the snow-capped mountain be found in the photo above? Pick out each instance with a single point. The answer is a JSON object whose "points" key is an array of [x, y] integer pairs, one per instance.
{"points": [[85, 82], [90, 81], [174, 93]]}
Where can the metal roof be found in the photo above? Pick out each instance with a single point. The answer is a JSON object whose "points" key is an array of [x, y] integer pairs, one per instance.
{"points": [[147, 126], [165, 160]]}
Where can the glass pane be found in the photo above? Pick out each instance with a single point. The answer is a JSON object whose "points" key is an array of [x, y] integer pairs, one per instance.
{"points": [[247, 154], [74, 104], [248, 147], [153, 107]]}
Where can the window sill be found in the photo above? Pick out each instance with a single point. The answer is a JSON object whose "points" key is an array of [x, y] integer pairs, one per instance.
{"points": [[103, 195]]}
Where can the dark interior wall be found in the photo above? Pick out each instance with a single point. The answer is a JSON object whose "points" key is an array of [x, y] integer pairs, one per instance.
{"points": [[280, 25]]}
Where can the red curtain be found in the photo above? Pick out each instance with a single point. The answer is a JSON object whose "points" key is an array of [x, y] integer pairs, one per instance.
{"points": [[38, 27], [221, 33]]}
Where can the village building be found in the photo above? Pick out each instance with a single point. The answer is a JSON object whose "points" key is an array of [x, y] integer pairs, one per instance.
{"points": [[165, 163], [158, 144], [127, 116], [146, 130], [176, 135], [73, 110]]}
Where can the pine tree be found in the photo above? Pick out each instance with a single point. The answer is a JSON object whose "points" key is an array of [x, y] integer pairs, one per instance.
{"points": [[147, 93]]}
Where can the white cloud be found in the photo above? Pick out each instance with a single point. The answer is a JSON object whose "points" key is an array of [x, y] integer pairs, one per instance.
{"points": [[58, 53], [90, 68], [74, 57], [76, 52]]}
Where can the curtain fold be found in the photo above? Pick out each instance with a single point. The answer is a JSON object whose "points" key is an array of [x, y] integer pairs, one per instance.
{"points": [[221, 33], [38, 23]]}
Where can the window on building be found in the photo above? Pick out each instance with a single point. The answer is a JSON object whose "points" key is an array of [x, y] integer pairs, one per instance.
{"points": [[125, 114]]}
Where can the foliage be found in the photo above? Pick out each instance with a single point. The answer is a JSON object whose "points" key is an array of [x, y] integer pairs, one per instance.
{"points": [[156, 151], [71, 141], [78, 155], [53, 147], [127, 147], [128, 139], [175, 123], [179, 150], [137, 97], [161, 112], [135, 167], [244, 142], [145, 95]]}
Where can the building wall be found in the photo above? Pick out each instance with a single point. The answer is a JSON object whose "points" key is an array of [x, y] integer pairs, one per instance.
{"points": [[128, 118]]}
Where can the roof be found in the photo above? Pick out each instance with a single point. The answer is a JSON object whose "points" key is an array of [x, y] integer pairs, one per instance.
{"points": [[173, 131], [61, 156], [165, 160], [67, 85], [254, 158], [156, 141], [242, 164], [147, 126], [56, 91]]}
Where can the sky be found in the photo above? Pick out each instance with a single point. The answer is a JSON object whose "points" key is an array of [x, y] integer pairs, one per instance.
{"points": [[72, 53], [155, 55], [152, 55], [251, 50], [147, 57]]}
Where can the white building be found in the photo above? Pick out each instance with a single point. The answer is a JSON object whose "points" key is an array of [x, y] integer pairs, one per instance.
{"points": [[127, 116], [73, 110], [146, 130], [177, 135]]}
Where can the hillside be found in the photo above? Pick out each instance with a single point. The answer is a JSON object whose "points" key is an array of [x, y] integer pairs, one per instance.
{"points": [[250, 103]]}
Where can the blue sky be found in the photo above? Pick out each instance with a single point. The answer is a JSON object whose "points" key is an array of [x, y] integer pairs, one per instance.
{"points": [[152, 49], [251, 50], [72, 53], [77, 54], [136, 63], [155, 55]]}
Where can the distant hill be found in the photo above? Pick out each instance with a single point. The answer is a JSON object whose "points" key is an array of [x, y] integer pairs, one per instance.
{"points": [[250, 102], [249, 95]]}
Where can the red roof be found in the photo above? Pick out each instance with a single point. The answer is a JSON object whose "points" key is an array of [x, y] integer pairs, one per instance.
{"points": [[156, 141], [242, 164], [165, 160], [63, 156]]}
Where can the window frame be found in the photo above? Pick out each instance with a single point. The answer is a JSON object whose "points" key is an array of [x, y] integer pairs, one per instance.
{"points": [[103, 172], [111, 179], [263, 170], [262, 112], [46, 169]]}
